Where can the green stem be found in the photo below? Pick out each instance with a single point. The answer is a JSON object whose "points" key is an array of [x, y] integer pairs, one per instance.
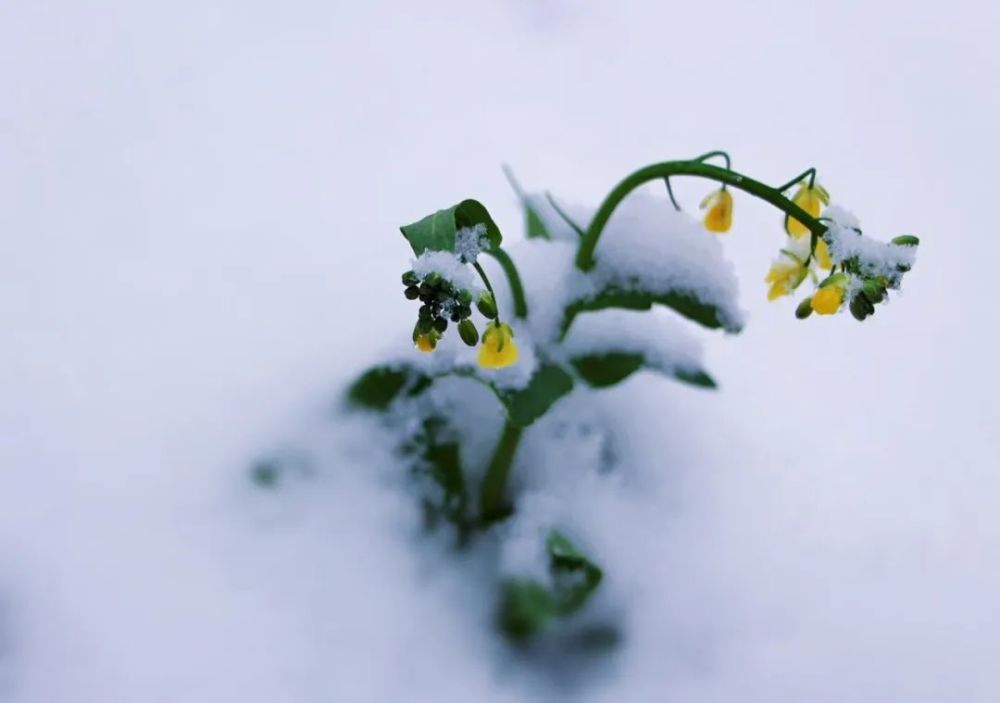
{"points": [[513, 280], [492, 505], [585, 254], [809, 172]]}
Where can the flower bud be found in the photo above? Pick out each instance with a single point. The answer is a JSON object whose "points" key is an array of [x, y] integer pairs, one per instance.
{"points": [[804, 309], [410, 279], [464, 297], [873, 291], [906, 240], [487, 306], [412, 293], [440, 324], [468, 332], [858, 308], [425, 325]]}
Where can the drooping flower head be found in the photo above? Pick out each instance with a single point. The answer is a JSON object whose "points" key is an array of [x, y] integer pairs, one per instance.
{"points": [[810, 198], [719, 214], [786, 273], [830, 295], [498, 349]]}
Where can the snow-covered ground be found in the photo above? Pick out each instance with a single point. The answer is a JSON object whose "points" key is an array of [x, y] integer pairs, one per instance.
{"points": [[199, 206]]}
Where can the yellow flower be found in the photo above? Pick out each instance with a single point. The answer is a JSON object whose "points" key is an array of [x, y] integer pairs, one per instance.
{"points": [[426, 342], [823, 255], [828, 299], [811, 199], [785, 275], [498, 349], [719, 217]]}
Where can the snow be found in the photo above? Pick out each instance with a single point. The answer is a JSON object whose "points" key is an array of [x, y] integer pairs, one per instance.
{"points": [[450, 267], [470, 242], [874, 258], [199, 211], [649, 245], [664, 342]]}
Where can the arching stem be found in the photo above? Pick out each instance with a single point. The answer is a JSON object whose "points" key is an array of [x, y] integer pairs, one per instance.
{"points": [[585, 254]]}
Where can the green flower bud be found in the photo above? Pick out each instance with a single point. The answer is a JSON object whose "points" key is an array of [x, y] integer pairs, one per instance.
{"points": [[410, 279], [456, 316], [906, 240], [412, 293], [425, 325], [464, 297], [464, 311], [873, 291], [433, 279], [468, 332], [425, 312], [861, 308], [440, 324], [487, 306], [804, 309]]}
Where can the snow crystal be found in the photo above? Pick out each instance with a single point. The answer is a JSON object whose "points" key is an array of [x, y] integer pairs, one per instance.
{"points": [[449, 267], [469, 242], [874, 258]]}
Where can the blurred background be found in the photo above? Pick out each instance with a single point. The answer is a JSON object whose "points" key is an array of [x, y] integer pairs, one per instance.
{"points": [[199, 204]]}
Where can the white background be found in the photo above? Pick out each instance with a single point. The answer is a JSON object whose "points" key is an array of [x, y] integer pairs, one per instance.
{"points": [[199, 206]]}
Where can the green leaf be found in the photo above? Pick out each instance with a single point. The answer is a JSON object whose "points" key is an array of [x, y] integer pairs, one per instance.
{"points": [[528, 606], [576, 577], [548, 384], [376, 388], [534, 225], [436, 232], [602, 370], [681, 302], [440, 459]]}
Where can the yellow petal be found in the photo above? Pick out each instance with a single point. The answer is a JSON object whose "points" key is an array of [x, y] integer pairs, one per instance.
{"points": [[810, 200], [719, 217], [497, 350], [425, 344], [823, 255], [827, 300]]}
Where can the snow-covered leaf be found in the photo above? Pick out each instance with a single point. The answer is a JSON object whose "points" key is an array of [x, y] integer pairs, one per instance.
{"points": [[684, 303], [436, 232], [376, 388], [548, 384], [528, 605], [601, 370]]}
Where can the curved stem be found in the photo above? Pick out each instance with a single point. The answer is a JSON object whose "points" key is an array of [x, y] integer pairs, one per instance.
{"points": [[492, 505], [513, 279], [670, 192], [585, 254], [809, 172]]}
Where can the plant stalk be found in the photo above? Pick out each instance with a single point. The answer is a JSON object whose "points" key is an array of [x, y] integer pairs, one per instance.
{"points": [[492, 504], [585, 255]]}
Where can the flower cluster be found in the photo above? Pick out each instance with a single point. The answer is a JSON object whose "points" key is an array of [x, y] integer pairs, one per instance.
{"points": [[846, 267], [443, 301]]}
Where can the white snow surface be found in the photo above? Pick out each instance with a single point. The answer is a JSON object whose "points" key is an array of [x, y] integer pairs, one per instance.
{"points": [[199, 211], [449, 267]]}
